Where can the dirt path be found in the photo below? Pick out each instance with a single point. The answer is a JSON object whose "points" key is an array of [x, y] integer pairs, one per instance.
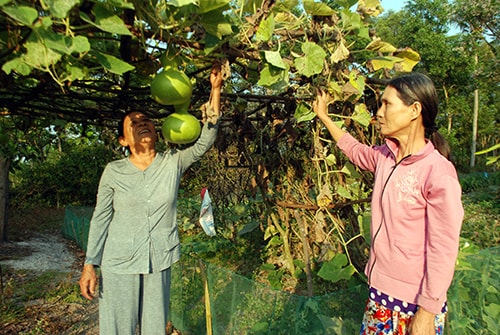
{"points": [[22, 260]]}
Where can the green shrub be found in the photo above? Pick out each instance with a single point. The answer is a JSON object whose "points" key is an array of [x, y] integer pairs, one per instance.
{"points": [[69, 177]]}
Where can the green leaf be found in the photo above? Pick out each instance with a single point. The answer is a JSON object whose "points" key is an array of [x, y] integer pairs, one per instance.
{"points": [[215, 23], [380, 46], [358, 82], [269, 232], [22, 14], [361, 115], [4, 2], [335, 91], [61, 43], [343, 192], [39, 55], [378, 63], [409, 57], [80, 44], [250, 5], [364, 221], [303, 113], [350, 170], [60, 8], [53, 40], [274, 58], [492, 160], [206, 6], [181, 3], [317, 8], [336, 269], [17, 65], [106, 21], [111, 63], [493, 148], [267, 267], [312, 61], [44, 22], [74, 73], [351, 20], [331, 160], [260, 328], [346, 3], [211, 43], [120, 4], [273, 77], [285, 5], [275, 279], [266, 29]]}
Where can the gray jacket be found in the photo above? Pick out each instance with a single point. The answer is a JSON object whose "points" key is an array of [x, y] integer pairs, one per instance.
{"points": [[133, 228]]}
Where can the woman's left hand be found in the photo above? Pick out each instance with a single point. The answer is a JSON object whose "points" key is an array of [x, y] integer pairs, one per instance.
{"points": [[211, 110], [216, 76], [423, 323]]}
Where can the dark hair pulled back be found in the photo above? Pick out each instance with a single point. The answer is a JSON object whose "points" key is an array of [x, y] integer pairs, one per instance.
{"points": [[417, 87], [121, 131]]}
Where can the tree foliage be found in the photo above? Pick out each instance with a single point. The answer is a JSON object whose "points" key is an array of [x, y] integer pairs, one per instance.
{"points": [[449, 59], [89, 60]]}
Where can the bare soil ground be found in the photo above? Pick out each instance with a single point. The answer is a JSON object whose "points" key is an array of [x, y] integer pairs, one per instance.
{"points": [[35, 247]]}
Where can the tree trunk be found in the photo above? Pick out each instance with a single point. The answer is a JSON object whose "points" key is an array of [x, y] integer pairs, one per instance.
{"points": [[474, 129], [474, 124], [450, 115], [4, 196]]}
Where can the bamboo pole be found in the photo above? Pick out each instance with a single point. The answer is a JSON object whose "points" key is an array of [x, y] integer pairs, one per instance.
{"points": [[208, 310]]}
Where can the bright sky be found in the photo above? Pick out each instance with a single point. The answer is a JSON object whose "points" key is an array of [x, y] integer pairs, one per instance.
{"points": [[394, 5]]}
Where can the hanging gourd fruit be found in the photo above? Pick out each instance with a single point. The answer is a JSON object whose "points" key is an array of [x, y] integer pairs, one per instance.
{"points": [[181, 127], [171, 87]]}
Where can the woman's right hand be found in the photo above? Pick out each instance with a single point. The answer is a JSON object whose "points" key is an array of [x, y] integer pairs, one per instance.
{"points": [[320, 105], [88, 281]]}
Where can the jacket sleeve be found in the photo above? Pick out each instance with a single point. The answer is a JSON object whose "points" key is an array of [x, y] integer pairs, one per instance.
{"points": [[101, 218], [200, 147], [358, 153], [444, 221]]}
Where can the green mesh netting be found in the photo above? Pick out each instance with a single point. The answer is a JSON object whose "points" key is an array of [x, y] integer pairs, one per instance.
{"points": [[76, 224], [239, 305]]}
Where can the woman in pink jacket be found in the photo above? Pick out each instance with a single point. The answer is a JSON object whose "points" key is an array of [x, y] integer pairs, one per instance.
{"points": [[416, 209]]}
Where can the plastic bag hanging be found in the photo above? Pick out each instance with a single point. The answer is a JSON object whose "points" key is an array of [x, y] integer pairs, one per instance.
{"points": [[206, 214]]}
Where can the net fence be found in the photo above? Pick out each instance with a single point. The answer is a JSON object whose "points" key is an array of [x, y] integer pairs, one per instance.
{"points": [[235, 304], [205, 296]]}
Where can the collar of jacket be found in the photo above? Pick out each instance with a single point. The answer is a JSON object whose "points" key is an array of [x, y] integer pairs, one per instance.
{"points": [[393, 147]]}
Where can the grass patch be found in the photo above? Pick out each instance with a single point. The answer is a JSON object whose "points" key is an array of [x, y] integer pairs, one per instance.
{"points": [[481, 200]]}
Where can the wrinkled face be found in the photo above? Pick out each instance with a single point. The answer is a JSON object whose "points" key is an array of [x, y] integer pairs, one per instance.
{"points": [[394, 116], [137, 129]]}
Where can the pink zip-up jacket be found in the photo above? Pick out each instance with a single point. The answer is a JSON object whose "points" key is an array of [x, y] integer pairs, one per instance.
{"points": [[416, 220]]}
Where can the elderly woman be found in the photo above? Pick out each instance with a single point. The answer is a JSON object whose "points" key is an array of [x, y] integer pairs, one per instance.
{"points": [[133, 235], [416, 209]]}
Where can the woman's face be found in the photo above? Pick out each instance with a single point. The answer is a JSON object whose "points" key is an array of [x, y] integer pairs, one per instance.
{"points": [[138, 129], [394, 116]]}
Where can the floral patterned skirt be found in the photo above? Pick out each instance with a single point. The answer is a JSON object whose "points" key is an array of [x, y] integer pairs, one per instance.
{"points": [[385, 315]]}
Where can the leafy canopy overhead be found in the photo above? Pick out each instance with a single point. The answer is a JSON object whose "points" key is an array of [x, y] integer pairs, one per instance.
{"points": [[90, 61]]}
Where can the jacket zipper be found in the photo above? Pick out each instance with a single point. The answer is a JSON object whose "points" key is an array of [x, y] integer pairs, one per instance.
{"points": [[383, 219]]}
